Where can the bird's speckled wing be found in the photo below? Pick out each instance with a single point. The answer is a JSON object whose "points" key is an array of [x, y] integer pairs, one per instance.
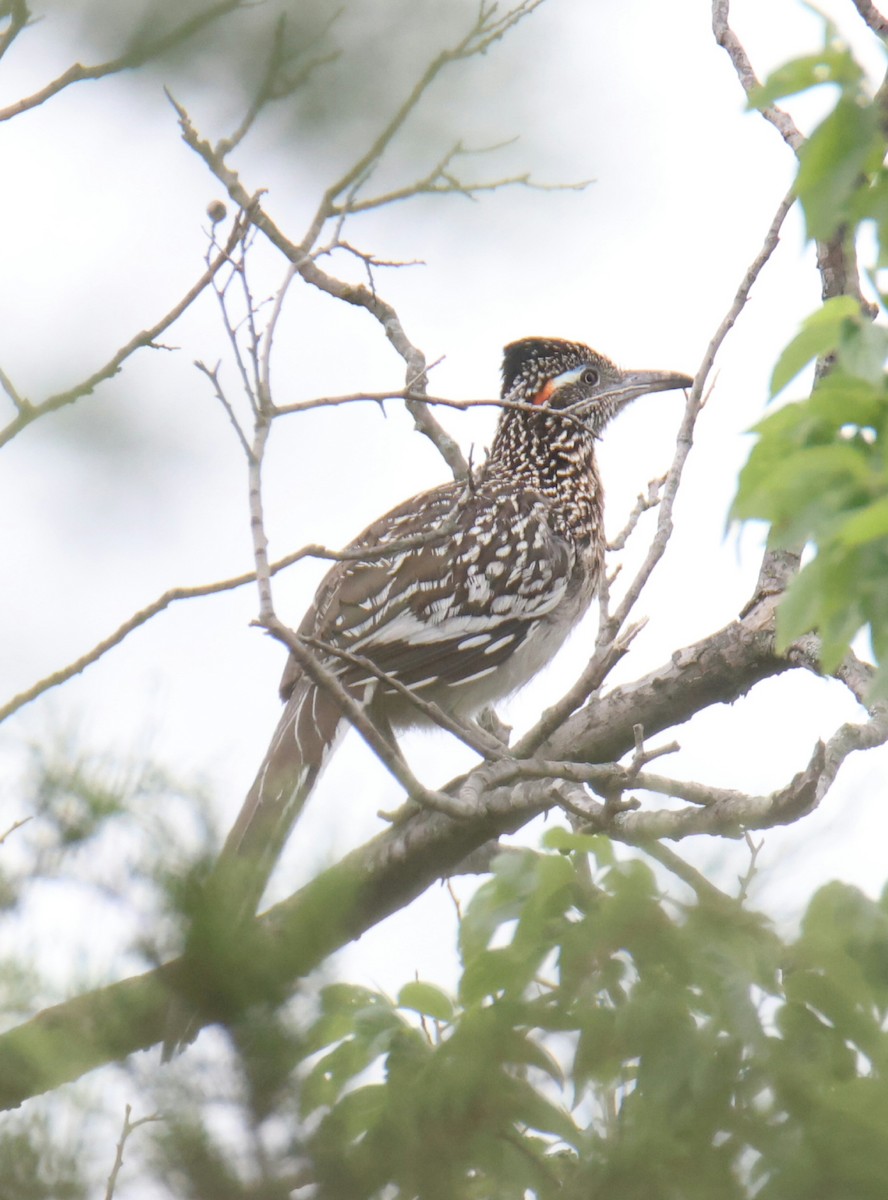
{"points": [[484, 570]]}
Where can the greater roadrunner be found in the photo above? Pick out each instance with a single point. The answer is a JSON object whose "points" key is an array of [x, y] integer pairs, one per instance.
{"points": [[482, 584]]}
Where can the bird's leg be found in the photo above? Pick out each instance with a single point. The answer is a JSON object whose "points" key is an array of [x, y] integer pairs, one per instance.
{"points": [[409, 808], [488, 721]]}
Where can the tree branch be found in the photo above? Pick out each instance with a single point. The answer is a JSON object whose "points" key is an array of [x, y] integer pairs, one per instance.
{"points": [[388, 872], [313, 550], [873, 18], [728, 40], [137, 56], [28, 412]]}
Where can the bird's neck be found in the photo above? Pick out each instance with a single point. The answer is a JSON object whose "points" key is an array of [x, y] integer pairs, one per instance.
{"points": [[555, 458]]}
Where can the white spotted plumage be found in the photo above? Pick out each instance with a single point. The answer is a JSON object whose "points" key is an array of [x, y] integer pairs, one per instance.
{"points": [[496, 572], [494, 575]]}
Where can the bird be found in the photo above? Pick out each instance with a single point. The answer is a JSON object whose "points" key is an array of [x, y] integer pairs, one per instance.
{"points": [[466, 591]]}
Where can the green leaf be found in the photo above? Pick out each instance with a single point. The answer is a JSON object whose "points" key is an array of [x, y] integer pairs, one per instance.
{"points": [[833, 64], [533, 1110], [841, 399], [819, 335], [863, 348], [496, 902], [360, 1109], [500, 970], [596, 844], [866, 524], [341, 1005], [806, 491], [831, 164], [323, 1084], [427, 999]]}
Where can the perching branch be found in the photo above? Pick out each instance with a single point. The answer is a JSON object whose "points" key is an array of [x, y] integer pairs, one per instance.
{"points": [[387, 873]]}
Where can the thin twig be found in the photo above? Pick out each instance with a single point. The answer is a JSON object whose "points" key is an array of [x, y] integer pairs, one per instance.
{"points": [[13, 827], [705, 891], [594, 674], [141, 340], [471, 735], [170, 596], [264, 417], [410, 393], [136, 57], [219, 392], [388, 753], [18, 18], [8, 386], [684, 440], [128, 1128], [644, 502], [755, 848], [728, 40]]}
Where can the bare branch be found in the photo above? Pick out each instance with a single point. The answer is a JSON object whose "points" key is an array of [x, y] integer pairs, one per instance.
{"points": [[388, 752], [728, 40], [18, 19], [769, 245], [643, 504], [410, 393], [219, 393], [63, 1042], [137, 56], [147, 338], [13, 827], [873, 18], [704, 890], [471, 735], [190, 593], [129, 1127], [487, 29], [21, 404], [684, 440], [441, 181]]}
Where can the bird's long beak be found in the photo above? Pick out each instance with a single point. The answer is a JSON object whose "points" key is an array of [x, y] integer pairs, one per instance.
{"points": [[637, 383]]}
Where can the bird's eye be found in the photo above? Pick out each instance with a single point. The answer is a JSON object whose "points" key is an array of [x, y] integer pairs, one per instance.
{"points": [[589, 376]]}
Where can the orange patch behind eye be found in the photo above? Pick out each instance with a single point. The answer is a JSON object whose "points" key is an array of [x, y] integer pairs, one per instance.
{"points": [[544, 394]]}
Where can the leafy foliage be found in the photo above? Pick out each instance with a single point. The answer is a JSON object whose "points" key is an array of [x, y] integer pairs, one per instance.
{"points": [[819, 471], [604, 1040]]}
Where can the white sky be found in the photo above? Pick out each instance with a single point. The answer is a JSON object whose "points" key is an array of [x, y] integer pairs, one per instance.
{"points": [[143, 486]]}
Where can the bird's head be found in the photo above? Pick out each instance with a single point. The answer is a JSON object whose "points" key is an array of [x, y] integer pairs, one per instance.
{"points": [[568, 377]]}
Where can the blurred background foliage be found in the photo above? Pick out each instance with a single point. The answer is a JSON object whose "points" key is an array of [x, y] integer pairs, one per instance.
{"points": [[607, 1037], [355, 63]]}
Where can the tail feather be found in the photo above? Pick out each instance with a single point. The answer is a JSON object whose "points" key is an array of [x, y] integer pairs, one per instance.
{"points": [[299, 749]]}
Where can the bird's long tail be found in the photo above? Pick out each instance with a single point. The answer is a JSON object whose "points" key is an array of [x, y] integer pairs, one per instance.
{"points": [[297, 753]]}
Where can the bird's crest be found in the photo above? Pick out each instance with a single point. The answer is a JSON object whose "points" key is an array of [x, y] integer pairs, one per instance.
{"points": [[530, 363]]}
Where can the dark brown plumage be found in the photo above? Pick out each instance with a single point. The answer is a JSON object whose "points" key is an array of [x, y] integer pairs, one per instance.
{"points": [[502, 569], [497, 573]]}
